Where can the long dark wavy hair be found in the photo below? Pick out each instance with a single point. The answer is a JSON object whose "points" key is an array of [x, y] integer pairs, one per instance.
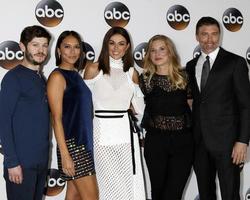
{"points": [[103, 59], [81, 62]]}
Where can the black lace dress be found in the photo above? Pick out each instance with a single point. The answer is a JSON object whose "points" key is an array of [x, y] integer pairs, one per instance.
{"points": [[166, 107], [168, 146]]}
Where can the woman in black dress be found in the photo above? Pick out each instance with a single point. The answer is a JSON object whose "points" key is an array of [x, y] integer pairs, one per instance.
{"points": [[70, 102], [168, 143]]}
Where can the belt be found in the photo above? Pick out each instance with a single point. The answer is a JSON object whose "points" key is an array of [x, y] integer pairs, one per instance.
{"points": [[103, 113], [132, 123]]}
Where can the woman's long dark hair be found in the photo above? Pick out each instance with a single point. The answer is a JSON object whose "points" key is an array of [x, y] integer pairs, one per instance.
{"points": [[103, 59], [81, 62]]}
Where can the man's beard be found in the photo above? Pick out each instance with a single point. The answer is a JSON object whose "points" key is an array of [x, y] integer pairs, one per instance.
{"points": [[30, 59]]}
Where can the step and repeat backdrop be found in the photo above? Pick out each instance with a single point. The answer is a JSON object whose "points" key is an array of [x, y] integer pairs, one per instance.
{"points": [[143, 19]]}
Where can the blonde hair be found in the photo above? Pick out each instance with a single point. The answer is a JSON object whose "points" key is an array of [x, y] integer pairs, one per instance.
{"points": [[176, 75]]}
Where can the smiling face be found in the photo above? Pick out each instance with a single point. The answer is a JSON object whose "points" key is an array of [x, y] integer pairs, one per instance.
{"points": [[69, 51], [158, 53], [36, 51], [208, 37], [117, 46]]}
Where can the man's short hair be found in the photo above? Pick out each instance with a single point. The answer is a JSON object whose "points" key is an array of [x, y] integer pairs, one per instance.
{"points": [[31, 32], [207, 21]]}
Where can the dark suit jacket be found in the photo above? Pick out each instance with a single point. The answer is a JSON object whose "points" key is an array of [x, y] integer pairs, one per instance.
{"points": [[221, 113]]}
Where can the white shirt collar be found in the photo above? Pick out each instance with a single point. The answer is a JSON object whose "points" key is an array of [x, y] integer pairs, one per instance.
{"points": [[212, 55]]}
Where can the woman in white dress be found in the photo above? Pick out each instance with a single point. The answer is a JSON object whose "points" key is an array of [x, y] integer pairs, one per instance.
{"points": [[113, 82]]}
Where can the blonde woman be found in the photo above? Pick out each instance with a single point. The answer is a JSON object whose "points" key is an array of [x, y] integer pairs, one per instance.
{"points": [[168, 143]]}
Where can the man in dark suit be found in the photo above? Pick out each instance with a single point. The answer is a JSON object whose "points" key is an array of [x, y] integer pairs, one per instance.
{"points": [[221, 113]]}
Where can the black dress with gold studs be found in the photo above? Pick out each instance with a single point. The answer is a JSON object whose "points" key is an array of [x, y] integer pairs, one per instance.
{"points": [[77, 124]]}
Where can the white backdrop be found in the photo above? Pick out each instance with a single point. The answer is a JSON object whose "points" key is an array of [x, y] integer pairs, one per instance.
{"points": [[145, 18]]}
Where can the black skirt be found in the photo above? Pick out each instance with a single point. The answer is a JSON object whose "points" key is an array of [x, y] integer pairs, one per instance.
{"points": [[83, 161]]}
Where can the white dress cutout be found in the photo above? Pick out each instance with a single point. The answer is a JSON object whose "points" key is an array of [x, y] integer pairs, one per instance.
{"points": [[112, 139]]}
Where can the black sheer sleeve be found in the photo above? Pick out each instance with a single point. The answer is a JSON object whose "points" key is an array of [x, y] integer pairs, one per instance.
{"points": [[188, 87], [142, 83]]}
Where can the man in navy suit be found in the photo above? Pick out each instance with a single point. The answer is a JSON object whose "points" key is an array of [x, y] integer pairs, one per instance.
{"points": [[24, 119], [221, 113]]}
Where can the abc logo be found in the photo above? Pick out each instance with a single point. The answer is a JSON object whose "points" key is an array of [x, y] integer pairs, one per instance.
{"points": [[10, 54], [49, 13], [232, 19], [139, 53], [178, 17], [248, 55], [197, 51], [55, 184], [89, 52], [117, 14], [247, 197]]}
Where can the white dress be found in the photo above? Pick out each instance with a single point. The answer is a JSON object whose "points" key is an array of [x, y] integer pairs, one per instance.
{"points": [[112, 138]]}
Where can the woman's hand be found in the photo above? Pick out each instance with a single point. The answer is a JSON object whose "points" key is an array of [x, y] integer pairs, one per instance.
{"points": [[68, 165]]}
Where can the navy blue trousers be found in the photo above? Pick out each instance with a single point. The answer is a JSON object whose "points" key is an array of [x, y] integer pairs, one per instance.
{"points": [[32, 187]]}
